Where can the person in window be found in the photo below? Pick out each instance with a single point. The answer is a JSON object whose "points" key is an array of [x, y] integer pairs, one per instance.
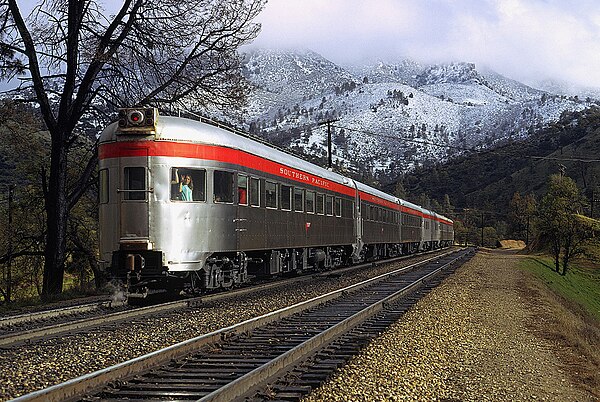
{"points": [[186, 186]]}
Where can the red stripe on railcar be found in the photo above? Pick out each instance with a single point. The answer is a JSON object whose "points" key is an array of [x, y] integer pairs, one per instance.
{"points": [[218, 154], [240, 158]]}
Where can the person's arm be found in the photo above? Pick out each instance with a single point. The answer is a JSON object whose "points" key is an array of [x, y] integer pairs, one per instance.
{"points": [[176, 179]]}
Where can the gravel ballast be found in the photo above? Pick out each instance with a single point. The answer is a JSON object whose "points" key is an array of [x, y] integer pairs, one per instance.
{"points": [[469, 339], [44, 363]]}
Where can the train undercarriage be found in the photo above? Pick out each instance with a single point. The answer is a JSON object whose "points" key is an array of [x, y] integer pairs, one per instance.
{"points": [[142, 273]]}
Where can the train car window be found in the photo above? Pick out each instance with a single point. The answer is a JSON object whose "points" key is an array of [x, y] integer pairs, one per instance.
{"points": [[329, 205], [347, 208], [223, 186], [320, 204], [103, 184], [271, 194], [242, 189], [298, 200], [338, 207], [135, 179], [188, 184], [254, 192], [286, 198], [310, 202]]}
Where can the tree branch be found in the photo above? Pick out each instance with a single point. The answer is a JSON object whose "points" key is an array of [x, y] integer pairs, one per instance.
{"points": [[34, 67]]}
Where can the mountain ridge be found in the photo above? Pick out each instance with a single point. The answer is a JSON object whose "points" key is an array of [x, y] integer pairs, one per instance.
{"points": [[389, 116]]}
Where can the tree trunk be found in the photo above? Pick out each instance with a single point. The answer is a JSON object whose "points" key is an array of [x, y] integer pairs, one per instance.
{"points": [[556, 253], [567, 254], [57, 210]]}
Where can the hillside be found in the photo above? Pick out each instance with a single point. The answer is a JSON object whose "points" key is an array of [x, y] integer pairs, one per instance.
{"points": [[490, 178]]}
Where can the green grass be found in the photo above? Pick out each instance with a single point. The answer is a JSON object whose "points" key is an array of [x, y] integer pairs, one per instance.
{"points": [[581, 284]]}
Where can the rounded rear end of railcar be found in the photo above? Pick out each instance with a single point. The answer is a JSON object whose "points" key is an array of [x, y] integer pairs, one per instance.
{"points": [[157, 230]]}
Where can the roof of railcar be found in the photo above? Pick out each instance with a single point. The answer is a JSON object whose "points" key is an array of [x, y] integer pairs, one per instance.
{"points": [[182, 129]]}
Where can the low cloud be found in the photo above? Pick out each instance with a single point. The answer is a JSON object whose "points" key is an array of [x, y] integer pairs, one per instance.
{"points": [[527, 40]]}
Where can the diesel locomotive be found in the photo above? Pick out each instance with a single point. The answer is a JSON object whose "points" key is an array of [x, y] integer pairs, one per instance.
{"points": [[189, 205]]}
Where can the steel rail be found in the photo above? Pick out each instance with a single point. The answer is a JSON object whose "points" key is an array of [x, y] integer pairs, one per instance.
{"points": [[78, 325], [88, 382], [242, 385]]}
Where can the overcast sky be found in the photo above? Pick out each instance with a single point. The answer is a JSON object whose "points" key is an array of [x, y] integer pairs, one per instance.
{"points": [[528, 40]]}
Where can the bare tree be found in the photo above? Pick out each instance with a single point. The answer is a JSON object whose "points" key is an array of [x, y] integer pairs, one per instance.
{"points": [[76, 55]]}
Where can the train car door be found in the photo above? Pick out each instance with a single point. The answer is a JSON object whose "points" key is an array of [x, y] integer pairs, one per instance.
{"points": [[242, 213], [134, 193]]}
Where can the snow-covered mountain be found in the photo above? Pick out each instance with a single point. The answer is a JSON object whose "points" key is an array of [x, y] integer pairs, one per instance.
{"points": [[390, 116]]}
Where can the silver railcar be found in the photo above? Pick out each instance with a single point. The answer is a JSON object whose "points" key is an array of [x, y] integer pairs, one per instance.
{"points": [[190, 205]]}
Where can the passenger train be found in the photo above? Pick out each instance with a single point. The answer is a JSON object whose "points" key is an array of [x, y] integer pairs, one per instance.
{"points": [[191, 206]]}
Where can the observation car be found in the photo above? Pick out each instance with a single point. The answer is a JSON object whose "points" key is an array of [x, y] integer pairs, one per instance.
{"points": [[190, 205]]}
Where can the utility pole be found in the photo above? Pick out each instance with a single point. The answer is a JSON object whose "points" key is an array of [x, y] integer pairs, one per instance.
{"points": [[328, 122], [592, 206], [562, 170], [593, 201], [481, 228], [527, 232], [10, 245], [466, 228]]}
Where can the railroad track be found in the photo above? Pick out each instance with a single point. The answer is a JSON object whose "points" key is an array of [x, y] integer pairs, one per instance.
{"points": [[25, 328], [14, 320], [237, 361]]}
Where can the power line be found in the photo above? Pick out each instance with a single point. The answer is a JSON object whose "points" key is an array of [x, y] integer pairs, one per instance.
{"points": [[565, 159]]}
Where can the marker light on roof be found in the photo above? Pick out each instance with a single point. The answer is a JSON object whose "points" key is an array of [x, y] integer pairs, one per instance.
{"points": [[135, 117], [138, 120]]}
